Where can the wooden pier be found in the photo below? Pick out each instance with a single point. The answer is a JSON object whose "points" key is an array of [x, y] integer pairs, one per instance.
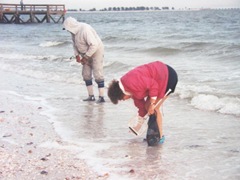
{"points": [[32, 13]]}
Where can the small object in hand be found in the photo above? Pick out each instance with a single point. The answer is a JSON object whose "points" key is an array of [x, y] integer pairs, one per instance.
{"points": [[84, 61], [86, 57], [137, 125], [78, 59]]}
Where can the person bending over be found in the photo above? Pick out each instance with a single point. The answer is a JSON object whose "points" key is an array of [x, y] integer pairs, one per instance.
{"points": [[146, 85], [89, 51]]}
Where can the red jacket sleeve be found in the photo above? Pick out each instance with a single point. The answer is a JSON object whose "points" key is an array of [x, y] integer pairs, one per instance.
{"points": [[140, 104]]}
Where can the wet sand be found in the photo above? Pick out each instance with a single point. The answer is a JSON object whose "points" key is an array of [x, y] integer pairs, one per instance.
{"points": [[23, 130]]}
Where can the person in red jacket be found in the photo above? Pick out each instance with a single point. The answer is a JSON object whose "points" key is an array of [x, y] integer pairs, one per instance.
{"points": [[146, 85]]}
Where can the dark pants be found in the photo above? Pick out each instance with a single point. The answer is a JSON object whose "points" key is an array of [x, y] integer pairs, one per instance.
{"points": [[172, 79]]}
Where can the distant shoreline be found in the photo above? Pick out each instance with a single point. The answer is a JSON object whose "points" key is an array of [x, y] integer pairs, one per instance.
{"points": [[169, 10]]}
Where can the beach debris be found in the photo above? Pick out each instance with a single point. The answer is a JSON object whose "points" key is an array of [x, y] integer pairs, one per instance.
{"points": [[39, 107], [7, 135], [132, 171], [23, 122], [104, 175], [30, 143], [195, 146], [44, 159], [2, 111], [44, 172], [59, 141], [127, 156], [73, 177], [234, 151], [30, 151]]}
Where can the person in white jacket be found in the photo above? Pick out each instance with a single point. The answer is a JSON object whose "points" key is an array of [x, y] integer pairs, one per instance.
{"points": [[89, 51]]}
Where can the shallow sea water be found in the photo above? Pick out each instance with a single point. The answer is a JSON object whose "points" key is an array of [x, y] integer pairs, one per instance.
{"points": [[199, 144]]}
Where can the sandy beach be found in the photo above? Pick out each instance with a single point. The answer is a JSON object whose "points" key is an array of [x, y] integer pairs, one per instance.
{"points": [[22, 132]]}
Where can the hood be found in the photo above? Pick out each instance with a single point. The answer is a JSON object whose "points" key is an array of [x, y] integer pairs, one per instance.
{"points": [[71, 25]]}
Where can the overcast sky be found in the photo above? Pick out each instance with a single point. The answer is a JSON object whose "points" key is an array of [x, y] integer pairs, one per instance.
{"points": [[99, 4]]}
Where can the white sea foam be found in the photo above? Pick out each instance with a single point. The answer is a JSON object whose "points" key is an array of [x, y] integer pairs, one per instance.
{"points": [[16, 56], [24, 57], [207, 102], [225, 105], [50, 44], [210, 99], [41, 73]]}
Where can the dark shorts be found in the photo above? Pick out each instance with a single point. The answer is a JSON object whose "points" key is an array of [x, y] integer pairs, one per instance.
{"points": [[172, 79]]}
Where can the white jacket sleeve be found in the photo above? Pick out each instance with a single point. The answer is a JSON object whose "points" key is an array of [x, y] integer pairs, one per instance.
{"points": [[93, 43], [74, 46]]}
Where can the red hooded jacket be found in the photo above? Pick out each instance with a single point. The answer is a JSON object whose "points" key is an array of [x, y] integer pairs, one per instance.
{"points": [[148, 80]]}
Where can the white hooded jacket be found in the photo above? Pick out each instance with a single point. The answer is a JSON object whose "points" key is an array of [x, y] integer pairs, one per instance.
{"points": [[85, 39]]}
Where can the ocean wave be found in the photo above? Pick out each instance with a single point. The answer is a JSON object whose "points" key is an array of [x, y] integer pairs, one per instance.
{"points": [[109, 38], [116, 67], [209, 99], [163, 51], [21, 57], [72, 78], [51, 58], [224, 105], [51, 44], [210, 48], [121, 39], [196, 46]]}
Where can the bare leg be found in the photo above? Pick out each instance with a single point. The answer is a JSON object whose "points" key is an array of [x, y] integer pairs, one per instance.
{"points": [[159, 116], [101, 92], [159, 122], [90, 90]]}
